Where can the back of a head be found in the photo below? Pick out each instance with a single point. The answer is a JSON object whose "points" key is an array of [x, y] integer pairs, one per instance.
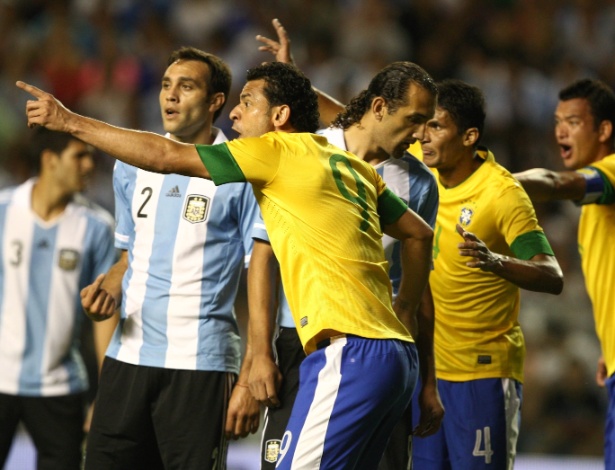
{"points": [[598, 94], [44, 139], [391, 83], [286, 84], [219, 80], [465, 104]]}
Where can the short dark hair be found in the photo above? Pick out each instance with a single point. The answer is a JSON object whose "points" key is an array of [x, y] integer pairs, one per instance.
{"points": [[286, 84], [598, 94], [391, 83], [465, 104], [219, 80], [44, 139]]}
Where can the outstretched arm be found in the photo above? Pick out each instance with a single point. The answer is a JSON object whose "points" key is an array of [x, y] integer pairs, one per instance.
{"points": [[145, 150], [545, 185], [328, 106], [541, 273]]}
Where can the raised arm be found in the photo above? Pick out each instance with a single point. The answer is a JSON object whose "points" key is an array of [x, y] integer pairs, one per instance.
{"points": [[541, 273], [545, 185], [144, 150], [328, 106]]}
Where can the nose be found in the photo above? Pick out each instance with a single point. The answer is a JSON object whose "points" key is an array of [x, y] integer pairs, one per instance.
{"points": [[561, 130], [420, 133], [234, 114], [170, 94]]}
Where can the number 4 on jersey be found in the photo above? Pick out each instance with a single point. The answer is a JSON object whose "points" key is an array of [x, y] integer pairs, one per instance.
{"points": [[483, 438]]}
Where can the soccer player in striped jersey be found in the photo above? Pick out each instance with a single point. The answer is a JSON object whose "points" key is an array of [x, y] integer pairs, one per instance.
{"points": [[585, 132], [54, 243], [487, 245], [167, 381], [377, 126], [325, 210]]}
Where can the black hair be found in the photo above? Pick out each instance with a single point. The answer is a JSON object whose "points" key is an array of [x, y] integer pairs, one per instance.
{"points": [[286, 84], [598, 94], [44, 139], [465, 104], [219, 79], [392, 84]]}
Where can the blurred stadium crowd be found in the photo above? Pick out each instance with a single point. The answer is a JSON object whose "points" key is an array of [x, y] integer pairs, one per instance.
{"points": [[105, 58]]}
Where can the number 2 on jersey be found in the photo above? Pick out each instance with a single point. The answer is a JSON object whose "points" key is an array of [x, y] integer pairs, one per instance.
{"points": [[360, 198]]}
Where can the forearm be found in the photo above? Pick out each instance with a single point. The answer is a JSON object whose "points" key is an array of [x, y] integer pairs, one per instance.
{"points": [[113, 280], [103, 332], [144, 150], [424, 339], [328, 107], [545, 185], [262, 282], [538, 275]]}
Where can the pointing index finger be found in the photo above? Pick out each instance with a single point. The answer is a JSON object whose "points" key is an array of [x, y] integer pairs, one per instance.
{"points": [[36, 92]]}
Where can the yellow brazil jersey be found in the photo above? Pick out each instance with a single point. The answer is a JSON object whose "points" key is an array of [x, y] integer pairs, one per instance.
{"points": [[477, 333], [320, 205], [597, 248]]}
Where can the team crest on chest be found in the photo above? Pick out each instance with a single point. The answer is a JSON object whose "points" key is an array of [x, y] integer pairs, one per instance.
{"points": [[68, 259], [468, 210], [196, 208], [272, 450]]}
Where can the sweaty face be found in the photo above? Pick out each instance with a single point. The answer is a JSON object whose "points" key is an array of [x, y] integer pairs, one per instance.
{"points": [[406, 124], [441, 144], [252, 116], [73, 168], [184, 99], [576, 133]]}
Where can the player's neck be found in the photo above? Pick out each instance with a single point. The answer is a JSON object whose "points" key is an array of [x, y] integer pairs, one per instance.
{"points": [[359, 143], [48, 200], [206, 136], [461, 172]]}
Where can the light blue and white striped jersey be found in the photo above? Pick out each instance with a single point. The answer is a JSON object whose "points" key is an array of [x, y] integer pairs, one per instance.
{"points": [[188, 242], [408, 178], [43, 267]]}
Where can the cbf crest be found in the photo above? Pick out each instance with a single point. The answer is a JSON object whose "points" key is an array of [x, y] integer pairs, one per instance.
{"points": [[68, 259], [196, 208], [467, 213]]}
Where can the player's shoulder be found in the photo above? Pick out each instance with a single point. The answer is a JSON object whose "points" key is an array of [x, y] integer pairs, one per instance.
{"points": [[93, 210]]}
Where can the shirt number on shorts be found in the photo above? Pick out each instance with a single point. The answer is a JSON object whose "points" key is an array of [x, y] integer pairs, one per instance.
{"points": [[360, 198], [483, 439], [287, 439]]}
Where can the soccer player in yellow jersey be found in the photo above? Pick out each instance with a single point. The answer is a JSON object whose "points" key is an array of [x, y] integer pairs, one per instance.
{"points": [[324, 209], [487, 245], [584, 129]]}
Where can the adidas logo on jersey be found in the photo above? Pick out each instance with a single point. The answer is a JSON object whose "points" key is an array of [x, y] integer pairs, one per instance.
{"points": [[174, 192]]}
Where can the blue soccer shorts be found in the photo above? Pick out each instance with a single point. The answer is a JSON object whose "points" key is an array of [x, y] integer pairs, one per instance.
{"points": [[352, 392]]}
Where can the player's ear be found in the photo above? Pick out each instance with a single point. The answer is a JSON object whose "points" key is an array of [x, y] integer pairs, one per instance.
{"points": [[216, 101], [605, 131], [280, 115], [470, 137], [378, 107]]}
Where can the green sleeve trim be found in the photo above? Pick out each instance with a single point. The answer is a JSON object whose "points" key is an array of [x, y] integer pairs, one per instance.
{"points": [[220, 163], [390, 207], [530, 244], [608, 192]]}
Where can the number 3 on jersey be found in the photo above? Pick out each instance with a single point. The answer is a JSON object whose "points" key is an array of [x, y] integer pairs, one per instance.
{"points": [[360, 198]]}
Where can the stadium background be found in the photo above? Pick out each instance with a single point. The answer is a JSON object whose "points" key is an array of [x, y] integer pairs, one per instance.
{"points": [[105, 58]]}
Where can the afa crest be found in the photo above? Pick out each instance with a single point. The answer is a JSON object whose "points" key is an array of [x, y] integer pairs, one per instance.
{"points": [[272, 450], [196, 209], [68, 259]]}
